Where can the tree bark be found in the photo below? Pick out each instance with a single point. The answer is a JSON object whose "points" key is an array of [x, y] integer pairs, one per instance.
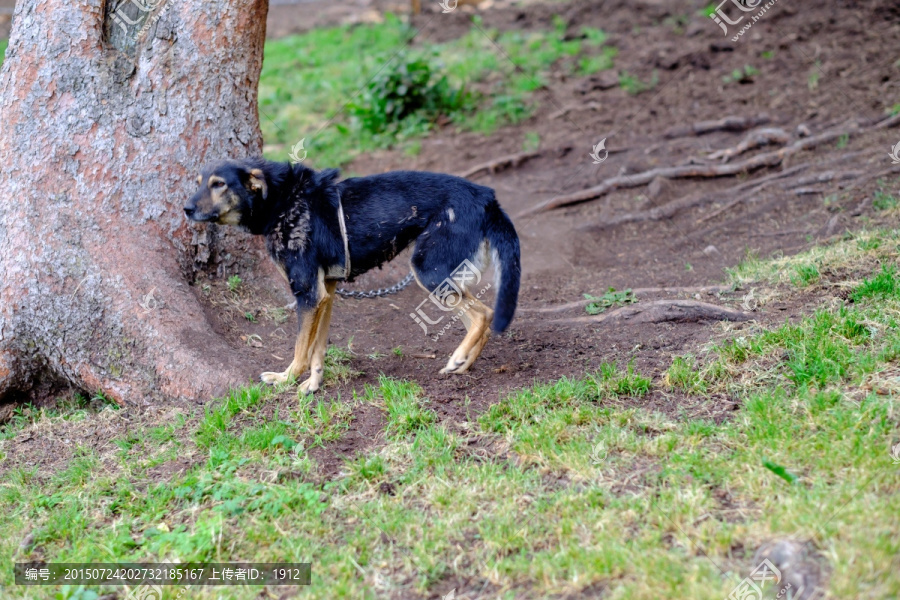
{"points": [[108, 110]]}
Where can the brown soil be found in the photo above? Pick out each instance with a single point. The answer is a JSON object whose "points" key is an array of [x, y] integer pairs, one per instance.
{"points": [[566, 255], [569, 252]]}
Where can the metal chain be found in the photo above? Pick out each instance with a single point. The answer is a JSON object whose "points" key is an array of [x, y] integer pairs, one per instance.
{"points": [[379, 292]]}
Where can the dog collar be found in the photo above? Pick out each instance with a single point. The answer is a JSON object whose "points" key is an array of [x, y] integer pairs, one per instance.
{"points": [[341, 271]]}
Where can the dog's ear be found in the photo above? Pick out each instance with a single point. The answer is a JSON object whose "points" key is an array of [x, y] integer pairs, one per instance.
{"points": [[257, 182]]}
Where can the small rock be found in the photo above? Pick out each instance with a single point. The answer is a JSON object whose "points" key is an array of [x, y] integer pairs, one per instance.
{"points": [[710, 250], [802, 130]]}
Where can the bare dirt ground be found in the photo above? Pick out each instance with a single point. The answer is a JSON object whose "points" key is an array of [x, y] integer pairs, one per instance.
{"points": [[821, 68]]}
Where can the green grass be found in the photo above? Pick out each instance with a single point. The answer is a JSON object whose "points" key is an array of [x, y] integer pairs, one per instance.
{"points": [[744, 75], [882, 286], [883, 200], [3, 44], [599, 304], [562, 488], [805, 274], [309, 82], [635, 86]]}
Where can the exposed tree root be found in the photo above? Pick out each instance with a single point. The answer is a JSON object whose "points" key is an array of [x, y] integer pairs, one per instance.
{"points": [[574, 107], [763, 160], [766, 159], [667, 211], [723, 124], [755, 139], [711, 289], [660, 311], [504, 162]]}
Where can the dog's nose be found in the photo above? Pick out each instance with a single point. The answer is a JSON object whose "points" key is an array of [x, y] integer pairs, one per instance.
{"points": [[189, 211]]}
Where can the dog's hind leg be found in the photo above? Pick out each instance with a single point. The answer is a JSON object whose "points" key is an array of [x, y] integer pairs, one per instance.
{"points": [[319, 345], [477, 319]]}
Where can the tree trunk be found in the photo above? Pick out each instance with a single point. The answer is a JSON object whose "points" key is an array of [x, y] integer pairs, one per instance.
{"points": [[107, 109]]}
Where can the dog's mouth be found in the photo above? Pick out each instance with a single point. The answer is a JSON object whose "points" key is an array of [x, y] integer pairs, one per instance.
{"points": [[201, 217]]}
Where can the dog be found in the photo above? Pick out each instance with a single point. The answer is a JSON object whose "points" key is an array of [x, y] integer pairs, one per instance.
{"points": [[320, 231]]}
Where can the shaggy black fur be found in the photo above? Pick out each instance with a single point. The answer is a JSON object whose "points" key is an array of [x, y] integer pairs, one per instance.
{"points": [[295, 207]]}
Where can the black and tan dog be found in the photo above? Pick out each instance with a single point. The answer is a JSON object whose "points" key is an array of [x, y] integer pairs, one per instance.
{"points": [[319, 231]]}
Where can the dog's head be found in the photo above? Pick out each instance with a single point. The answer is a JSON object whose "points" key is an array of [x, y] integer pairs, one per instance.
{"points": [[227, 193]]}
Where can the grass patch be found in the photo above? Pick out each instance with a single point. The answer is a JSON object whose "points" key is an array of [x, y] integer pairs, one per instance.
{"points": [[561, 488], [337, 365], [882, 285], [405, 405], [599, 304], [346, 90], [635, 86], [805, 274]]}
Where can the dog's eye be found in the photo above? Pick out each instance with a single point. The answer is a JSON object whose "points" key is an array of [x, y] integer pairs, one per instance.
{"points": [[218, 184]]}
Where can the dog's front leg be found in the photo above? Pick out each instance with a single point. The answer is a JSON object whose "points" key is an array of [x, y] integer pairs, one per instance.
{"points": [[319, 345], [310, 304], [305, 339]]}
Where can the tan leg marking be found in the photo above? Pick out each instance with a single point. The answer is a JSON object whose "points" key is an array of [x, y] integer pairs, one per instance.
{"points": [[320, 342], [309, 319], [477, 320]]}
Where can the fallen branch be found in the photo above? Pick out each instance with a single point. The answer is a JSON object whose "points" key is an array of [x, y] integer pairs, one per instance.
{"points": [[724, 124], [661, 311], [712, 289], [755, 139], [766, 159]]}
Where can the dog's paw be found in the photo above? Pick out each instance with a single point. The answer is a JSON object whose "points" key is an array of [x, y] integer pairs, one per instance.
{"points": [[455, 366], [309, 386], [273, 378]]}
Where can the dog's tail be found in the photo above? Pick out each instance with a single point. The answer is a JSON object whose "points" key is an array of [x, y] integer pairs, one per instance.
{"points": [[505, 246]]}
